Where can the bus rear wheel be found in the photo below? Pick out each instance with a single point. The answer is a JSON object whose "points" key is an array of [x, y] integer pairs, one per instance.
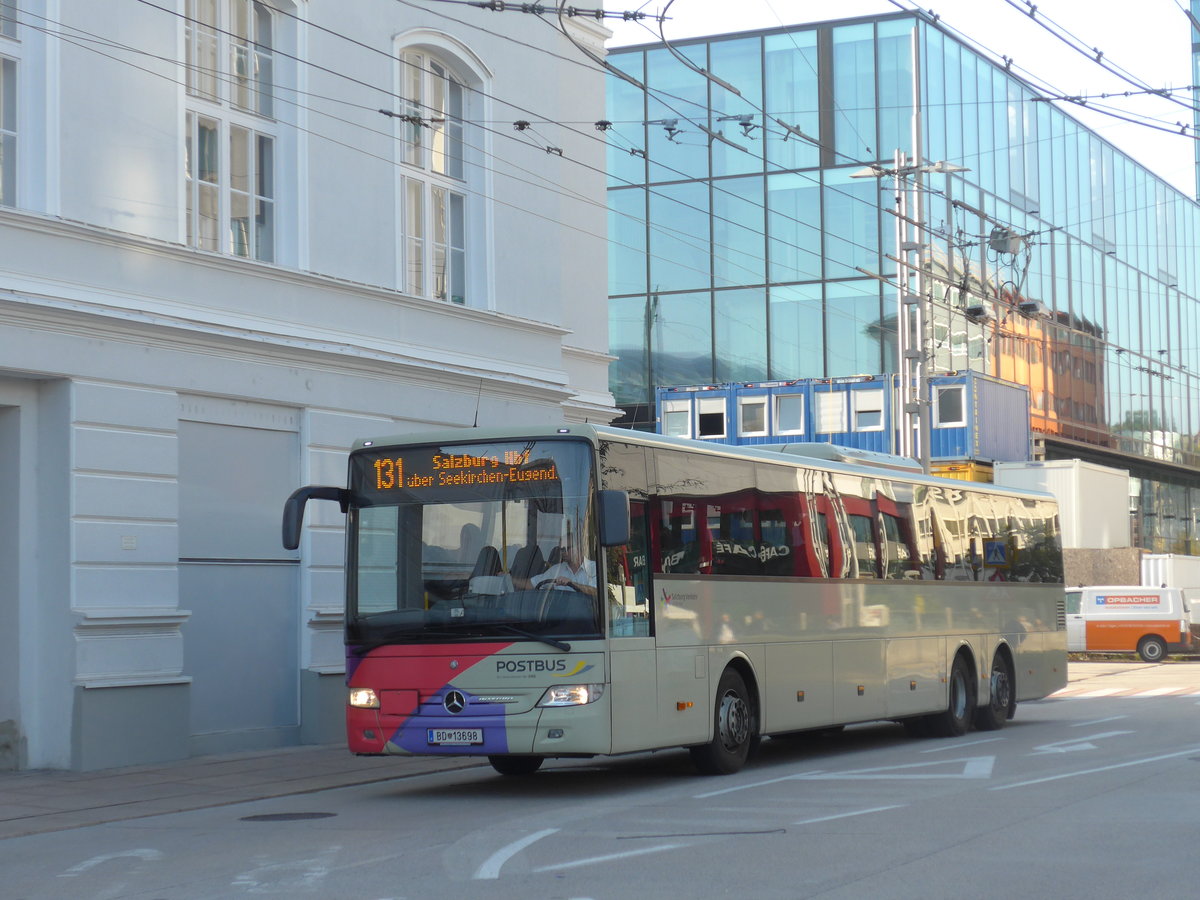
{"points": [[960, 709], [735, 729], [516, 765], [1152, 649], [1002, 703]]}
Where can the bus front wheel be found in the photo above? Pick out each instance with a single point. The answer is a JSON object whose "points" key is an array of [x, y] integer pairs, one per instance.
{"points": [[735, 728], [516, 765], [1152, 649]]}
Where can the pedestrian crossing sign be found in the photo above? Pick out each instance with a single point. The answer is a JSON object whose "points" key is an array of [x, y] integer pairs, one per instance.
{"points": [[995, 553]]}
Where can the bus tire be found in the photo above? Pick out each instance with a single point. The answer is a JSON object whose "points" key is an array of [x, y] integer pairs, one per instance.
{"points": [[735, 728], [1002, 700], [516, 765], [1152, 648], [960, 707]]}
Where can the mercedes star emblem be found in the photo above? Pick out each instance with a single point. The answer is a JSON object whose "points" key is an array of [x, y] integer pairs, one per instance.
{"points": [[455, 703]]}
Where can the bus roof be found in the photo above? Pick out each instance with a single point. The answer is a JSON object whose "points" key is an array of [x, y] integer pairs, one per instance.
{"points": [[808, 455]]}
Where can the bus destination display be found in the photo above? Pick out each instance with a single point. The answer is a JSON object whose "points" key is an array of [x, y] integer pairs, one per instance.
{"points": [[412, 472]]}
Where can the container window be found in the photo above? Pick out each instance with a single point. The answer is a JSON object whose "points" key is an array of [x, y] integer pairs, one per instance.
{"points": [[789, 414], [753, 416], [950, 406], [711, 418], [831, 412], [868, 410]]}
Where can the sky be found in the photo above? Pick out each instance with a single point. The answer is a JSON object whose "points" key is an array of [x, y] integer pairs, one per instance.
{"points": [[1149, 40]]}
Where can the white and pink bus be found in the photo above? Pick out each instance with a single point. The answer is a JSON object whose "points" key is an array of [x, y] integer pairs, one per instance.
{"points": [[522, 594]]}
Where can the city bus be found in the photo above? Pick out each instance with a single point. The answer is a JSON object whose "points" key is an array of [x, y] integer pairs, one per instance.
{"points": [[524, 594]]}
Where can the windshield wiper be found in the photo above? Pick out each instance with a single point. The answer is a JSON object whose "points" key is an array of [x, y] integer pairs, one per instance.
{"points": [[553, 642]]}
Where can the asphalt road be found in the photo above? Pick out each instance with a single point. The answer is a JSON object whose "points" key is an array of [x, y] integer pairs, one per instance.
{"points": [[1094, 794]]}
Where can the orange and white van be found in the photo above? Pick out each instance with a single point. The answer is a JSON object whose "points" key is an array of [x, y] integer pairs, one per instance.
{"points": [[1123, 618]]}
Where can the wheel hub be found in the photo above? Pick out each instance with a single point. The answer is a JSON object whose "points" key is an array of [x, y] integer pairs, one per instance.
{"points": [[734, 719]]}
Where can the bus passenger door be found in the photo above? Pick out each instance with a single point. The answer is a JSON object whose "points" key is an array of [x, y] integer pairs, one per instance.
{"points": [[632, 673]]}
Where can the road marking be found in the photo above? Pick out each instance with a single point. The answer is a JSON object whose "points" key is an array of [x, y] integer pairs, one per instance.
{"points": [[746, 787], [143, 855], [1157, 692], [973, 767], [955, 745], [492, 865], [1097, 721], [574, 864], [1134, 762], [861, 812], [1079, 694], [1101, 692], [1073, 744]]}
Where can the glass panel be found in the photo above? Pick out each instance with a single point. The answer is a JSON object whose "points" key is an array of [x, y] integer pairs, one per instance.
{"points": [[436, 116], [949, 403], [791, 79], [411, 65], [626, 111], [627, 241], [458, 249], [797, 329], [8, 132], [439, 234], [851, 224], [240, 237], [8, 18], [739, 63], [740, 335], [895, 86], [794, 227], [679, 233], [201, 38], [789, 414], [264, 231], [414, 231], [738, 256], [627, 341], [854, 92], [454, 130], [207, 171], [754, 416], [263, 60], [854, 329], [681, 338], [676, 147]]}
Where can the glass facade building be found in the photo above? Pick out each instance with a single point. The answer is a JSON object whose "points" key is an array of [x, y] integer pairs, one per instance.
{"points": [[742, 248]]}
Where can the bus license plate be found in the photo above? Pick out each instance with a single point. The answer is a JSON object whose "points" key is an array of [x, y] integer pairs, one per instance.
{"points": [[454, 736]]}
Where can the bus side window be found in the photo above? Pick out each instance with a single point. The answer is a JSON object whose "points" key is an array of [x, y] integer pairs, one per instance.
{"points": [[628, 587]]}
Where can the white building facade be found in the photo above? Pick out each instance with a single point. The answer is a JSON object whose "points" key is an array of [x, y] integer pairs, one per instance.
{"points": [[234, 237]]}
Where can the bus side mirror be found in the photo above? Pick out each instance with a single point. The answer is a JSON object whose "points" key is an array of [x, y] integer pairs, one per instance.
{"points": [[293, 509], [614, 518]]}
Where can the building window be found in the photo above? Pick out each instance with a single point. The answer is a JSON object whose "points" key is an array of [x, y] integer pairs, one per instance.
{"points": [[831, 412], [789, 414], [677, 418], [752, 413], [868, 410], [230, 142], [949, 406], [710, 417], [8, 104], [8, 131], [431, 121]]}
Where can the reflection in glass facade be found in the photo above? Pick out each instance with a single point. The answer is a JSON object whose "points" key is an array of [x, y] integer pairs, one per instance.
{"points": [[1055, 261]]}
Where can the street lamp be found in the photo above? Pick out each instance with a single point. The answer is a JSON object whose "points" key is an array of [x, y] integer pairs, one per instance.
{"points": [[912, 306]]}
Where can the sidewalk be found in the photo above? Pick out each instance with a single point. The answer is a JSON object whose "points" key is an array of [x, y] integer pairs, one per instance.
{"points": [[40, 801]]}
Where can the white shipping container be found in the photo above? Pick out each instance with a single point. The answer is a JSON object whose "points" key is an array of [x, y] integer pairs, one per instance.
{"points": [[1093, 501], [1175, 570]]}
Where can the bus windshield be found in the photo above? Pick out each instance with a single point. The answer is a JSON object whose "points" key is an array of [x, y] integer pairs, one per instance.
{"points": [[461, 541]]}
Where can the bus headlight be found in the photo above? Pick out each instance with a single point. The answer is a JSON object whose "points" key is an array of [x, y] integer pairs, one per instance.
{"points": [[571, 695], [364, 698]]}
